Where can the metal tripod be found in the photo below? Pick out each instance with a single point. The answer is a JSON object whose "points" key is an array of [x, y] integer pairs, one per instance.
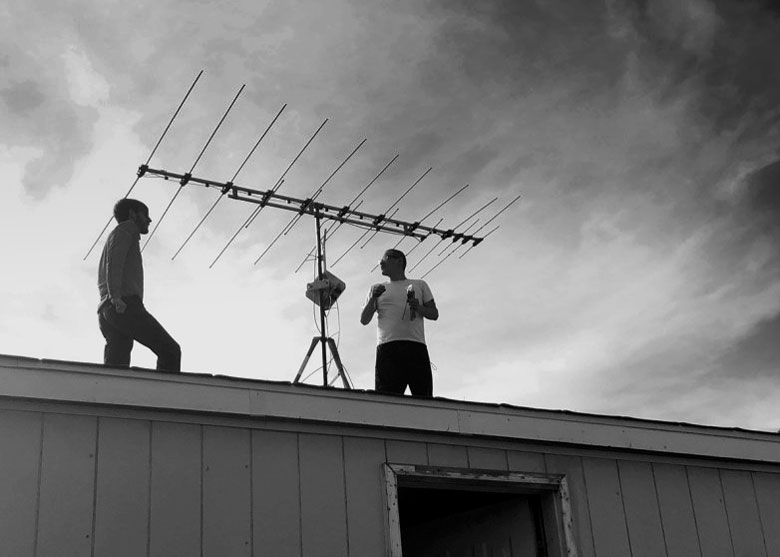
{"points": [[323, 337]]}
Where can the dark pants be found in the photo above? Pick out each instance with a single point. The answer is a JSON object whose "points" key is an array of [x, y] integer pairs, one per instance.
{"points": [[121, 329], [401, 363]]}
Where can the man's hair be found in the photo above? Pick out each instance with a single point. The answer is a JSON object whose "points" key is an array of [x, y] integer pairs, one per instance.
{"points": [[124, 206], [399, 254]]}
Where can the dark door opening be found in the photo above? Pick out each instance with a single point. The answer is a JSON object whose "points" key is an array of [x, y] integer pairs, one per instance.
{"points": [[454, 523]]}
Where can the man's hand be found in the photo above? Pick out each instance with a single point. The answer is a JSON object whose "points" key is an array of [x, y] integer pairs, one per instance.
{"points": [[119, 305], [370, 308], [377, 290]]}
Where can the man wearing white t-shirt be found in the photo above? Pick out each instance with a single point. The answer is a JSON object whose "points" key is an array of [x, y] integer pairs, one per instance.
{"points": [[401, 305]]}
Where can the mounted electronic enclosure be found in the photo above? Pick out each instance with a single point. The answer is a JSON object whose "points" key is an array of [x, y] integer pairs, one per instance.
{"points": [[325, 292]]}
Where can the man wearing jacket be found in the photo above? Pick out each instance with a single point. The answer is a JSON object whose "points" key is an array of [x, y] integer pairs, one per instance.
{"points": [[122, 316]]}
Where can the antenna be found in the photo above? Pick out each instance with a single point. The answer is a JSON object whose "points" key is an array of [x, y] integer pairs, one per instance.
{"points": [[439, 206], [272, 191], [225, 190], [328, 219], [148, 160], [334, 227], [314, 196], [451, 233], [186, 177]]}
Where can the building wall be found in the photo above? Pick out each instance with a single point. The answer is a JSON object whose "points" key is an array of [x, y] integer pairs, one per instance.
{"points": [[120, 483]]}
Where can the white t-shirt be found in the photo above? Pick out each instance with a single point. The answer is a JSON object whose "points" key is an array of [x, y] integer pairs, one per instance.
{"points": [[393, 313]]}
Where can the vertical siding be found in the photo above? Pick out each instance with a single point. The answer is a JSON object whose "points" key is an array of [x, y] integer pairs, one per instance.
{"points": [[363, 459], [571, 467], [227, 521], [606, 507], [67, 486], [323, 507], [742, 509], [275, 494], [521, 461], [486, 458], [75, 485], [643, 517], [20, 449], [710, 512], [174, 524], [406, 452], [767, 488], [122, 497], [454, 456], [674, 501]]}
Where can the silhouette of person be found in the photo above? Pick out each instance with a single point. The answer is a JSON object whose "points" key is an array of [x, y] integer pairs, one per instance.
{"points": [[401, 305], [122, 316]]}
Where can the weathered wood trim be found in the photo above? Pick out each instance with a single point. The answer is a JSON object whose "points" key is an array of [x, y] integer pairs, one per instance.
{"points": [[556, 505], [392, 516]]}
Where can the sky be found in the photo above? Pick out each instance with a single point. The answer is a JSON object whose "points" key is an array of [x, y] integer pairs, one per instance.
{"points": [[637, 274]]}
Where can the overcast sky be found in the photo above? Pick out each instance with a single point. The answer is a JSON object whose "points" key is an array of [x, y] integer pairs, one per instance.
{"points": [[637, 275]]}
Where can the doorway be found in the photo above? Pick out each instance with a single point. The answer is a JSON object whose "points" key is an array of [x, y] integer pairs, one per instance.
{"points": [[451, 512]]}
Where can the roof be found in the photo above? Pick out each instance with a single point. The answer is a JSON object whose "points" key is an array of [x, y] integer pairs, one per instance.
{"points": [[23, 378]]}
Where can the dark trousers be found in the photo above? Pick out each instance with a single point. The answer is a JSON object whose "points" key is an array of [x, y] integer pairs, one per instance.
{"points": [[136, 324], [403, 363]]}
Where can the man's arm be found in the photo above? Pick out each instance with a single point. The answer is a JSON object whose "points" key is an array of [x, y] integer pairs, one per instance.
{"points": [[370, 308], [428, 309], [119, 246]]}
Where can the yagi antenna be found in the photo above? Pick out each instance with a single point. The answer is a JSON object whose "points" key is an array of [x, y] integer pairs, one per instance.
{"points": [[318, 191], [186, 177], [378, 219], [327, 287], [269, 193], [451, 233], [281, 178], [459, 246], [148, 160], [226, 189], [453, 251], [335, 226], [439, 206], [313, 196], [465, 230]]}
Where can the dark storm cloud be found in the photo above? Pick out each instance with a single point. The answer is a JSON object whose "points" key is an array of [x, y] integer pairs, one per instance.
{"points": [[757, 354], [37, 115], [762, 194], [22, 98]]}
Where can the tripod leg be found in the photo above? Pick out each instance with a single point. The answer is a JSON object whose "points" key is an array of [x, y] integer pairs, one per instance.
{"points": [[335, 352], [314, 342]]}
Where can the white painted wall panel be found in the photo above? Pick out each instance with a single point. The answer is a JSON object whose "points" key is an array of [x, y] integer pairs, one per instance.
{"points": [[710, 511], [20, 449], [767, 488], [323, 505], [174, 523], [606, 507], [66, 508], [674, 501], [742, 508], [406, 452], [276, 494], [122, 496], [363, 459], [640, 502], [487, 458], [447, 455], [227, 521]]}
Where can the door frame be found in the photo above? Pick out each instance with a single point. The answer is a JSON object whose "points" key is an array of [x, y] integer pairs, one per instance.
{"points": [[552, 489]]}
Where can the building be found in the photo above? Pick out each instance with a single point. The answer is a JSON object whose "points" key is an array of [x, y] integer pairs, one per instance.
{"points": [[100, 462]]}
